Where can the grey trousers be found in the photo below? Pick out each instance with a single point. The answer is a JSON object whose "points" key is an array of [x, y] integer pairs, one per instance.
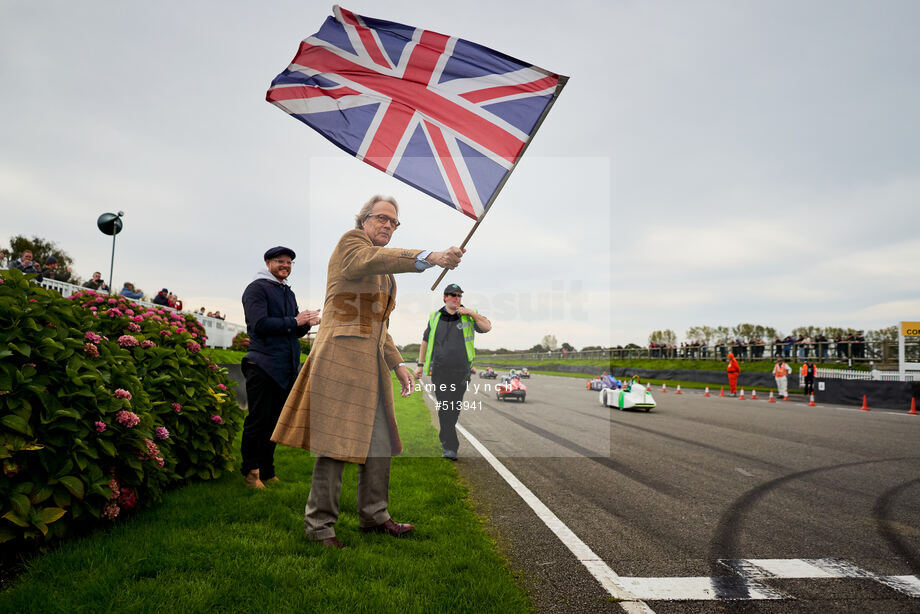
{"points": [[322, 509]]}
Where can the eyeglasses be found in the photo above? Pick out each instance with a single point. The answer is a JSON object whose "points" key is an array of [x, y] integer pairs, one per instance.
{"points": [[453, 294], [385, 219], [280, 261]]}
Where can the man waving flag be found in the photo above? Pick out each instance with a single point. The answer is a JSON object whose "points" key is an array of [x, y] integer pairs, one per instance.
{"points": [[447, 116]]}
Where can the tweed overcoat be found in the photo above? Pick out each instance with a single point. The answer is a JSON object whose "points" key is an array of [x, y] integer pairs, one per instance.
{"points": [[330, 410]]}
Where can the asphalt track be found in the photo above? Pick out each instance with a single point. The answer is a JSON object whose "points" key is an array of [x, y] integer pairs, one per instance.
{"points": [[720, 505]]}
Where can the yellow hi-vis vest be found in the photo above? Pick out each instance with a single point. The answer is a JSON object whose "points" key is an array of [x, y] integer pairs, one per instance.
{"points": [[469, 331]]}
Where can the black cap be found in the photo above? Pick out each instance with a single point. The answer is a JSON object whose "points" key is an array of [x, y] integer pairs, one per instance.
{"points": [[277, 251], [50, 260], [453, 288], [164, 291]]}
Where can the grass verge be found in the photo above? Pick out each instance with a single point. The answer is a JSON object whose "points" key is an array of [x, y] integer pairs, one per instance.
{"points": [[219, 547]]}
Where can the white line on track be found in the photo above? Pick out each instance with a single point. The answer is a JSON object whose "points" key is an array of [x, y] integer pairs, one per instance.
{"points": [[593, 563]]}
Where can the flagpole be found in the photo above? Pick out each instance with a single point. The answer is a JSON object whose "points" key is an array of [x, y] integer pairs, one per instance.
{"points": [[559, 85]]}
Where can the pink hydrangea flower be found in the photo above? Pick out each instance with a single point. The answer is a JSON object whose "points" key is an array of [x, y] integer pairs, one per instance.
{"points": [[100, 426], [221, 386], [90, 335], [213, 367], [165, 332], [127, 419], [113, 301], [130, 312], [147, 344], [177, 407], [193, 346], [134, 328], [138, 319], [127, 498], [127, 341], [121, 393], [161, 432], [111, 510], [153, 453], [114, 486], [93, 309], [91, 350], [33, 300], [217, 420]]}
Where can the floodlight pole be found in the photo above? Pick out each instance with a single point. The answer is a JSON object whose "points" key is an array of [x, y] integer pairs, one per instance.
{"points": [[112, 266]]}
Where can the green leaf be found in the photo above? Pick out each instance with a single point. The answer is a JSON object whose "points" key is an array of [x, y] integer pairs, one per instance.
{"points": [[20, 504], [74, 485], [15, 423], [67, 413], [16, 520], [62, 499], [41, 495], [22, 348], [49, 514], [6, 534], [107, 446]]}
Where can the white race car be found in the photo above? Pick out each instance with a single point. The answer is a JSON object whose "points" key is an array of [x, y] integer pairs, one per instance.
{"points": [[630, 396]]}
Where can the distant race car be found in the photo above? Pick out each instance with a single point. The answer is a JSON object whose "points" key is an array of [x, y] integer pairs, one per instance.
{"points": [[595, 384], [630, 396], [488, 373], [510, 388], [525, 372]]}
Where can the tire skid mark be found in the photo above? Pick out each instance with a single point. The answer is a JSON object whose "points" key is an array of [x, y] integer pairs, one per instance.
{"points": [[705, 446], [724, 544], [882, 512], [636, 476]]}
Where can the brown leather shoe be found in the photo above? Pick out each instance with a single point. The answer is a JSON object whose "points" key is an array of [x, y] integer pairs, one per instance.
{"points": [[392, 528], [331, 542], [253, 481]]}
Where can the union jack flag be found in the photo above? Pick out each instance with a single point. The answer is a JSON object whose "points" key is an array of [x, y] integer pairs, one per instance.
{"points": [[445, 115]]}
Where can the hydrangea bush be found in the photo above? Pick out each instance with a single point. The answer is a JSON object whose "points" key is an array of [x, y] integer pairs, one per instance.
{"points": [[103, 405], [240, 342]]}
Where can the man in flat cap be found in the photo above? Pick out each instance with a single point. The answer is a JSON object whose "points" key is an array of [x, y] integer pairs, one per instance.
{"points": [[275, 326], [341, 406], [446, 356]]}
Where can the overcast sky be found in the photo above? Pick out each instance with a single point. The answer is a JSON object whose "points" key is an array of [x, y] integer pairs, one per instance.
{"points": [[709, 163]]}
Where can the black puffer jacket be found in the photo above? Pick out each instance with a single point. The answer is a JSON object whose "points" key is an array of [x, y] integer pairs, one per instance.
{"points": [[271, 309]]}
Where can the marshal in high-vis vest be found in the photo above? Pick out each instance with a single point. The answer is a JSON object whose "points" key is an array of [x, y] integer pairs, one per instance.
{"points": [[446, 356]]}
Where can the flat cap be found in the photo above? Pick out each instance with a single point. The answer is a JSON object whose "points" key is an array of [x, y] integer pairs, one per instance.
{"points": [[277, 251], [452, 289]]}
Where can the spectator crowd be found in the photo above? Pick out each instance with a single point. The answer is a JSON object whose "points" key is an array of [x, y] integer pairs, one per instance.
{"points": [[51, 271]]}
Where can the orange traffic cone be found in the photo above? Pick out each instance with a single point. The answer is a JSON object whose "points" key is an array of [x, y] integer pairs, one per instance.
{"points": [[771, 399], [588, 385], [706, 394], [648, 385], [754, 394], [865, 406], [664, 386], [721, 391], [678, 390], [786, 397], [913, 407], [742, 394], [811, 401]]}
